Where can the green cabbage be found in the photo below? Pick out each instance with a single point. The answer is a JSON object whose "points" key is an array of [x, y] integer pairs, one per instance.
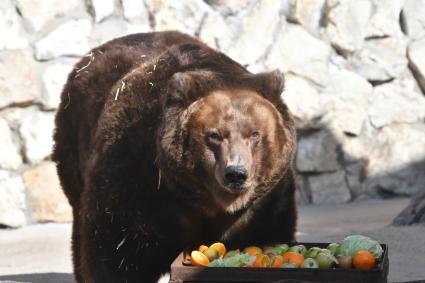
{"points": [[233, 261], [354, 243]]}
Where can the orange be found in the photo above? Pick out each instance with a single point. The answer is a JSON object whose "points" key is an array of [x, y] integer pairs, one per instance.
{"points": [[202, 248], [364, 260], [253, 250], [198, 259], [294, 258], [277, 261], [220, 248], [262, 261]]}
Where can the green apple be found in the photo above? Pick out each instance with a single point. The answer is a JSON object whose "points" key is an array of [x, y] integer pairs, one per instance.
{"points": [[301, 249], [280, 250], [312, 252], [325, 260], [333, 248], [326, 251], [283, 247], [274, 251], [309, 263]]}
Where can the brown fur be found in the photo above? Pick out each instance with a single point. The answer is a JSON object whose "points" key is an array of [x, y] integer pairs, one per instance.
{"points": [[134, 162]]}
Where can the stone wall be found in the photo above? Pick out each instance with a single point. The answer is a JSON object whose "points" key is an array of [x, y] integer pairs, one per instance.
{"points": [[355, 81]]}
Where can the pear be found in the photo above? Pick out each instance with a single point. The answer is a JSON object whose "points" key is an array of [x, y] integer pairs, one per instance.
{"points": [[345, 261]]}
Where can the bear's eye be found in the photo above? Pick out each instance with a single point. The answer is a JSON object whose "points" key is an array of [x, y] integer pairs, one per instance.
{"points": [[255, 135], [214, 137], [173, 101]]}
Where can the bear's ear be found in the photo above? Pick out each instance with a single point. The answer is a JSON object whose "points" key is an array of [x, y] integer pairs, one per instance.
{"points": [[178, 90], [270, 84]]}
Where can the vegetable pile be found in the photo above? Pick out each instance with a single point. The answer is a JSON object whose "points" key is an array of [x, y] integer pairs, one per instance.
{"points": [[356, 251]]}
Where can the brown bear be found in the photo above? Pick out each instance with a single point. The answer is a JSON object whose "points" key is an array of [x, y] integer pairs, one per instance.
{"points": [[163, 143]]}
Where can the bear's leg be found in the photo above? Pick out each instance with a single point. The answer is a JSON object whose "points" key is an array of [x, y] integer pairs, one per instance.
{"points": [[122, 249], [75, 245]]}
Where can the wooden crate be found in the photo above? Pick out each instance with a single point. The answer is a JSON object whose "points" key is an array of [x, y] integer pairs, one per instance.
{"points": [[182, 271]]}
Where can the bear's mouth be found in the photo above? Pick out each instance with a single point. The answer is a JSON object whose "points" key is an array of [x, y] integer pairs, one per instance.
{"points": [[232, 197], [235, 188]]}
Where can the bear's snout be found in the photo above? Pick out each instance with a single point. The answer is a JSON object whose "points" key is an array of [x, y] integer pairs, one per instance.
{"points": [[235, 176]]}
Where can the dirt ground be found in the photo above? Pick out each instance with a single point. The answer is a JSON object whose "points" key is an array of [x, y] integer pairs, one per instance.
{"points": [[41, 253]]}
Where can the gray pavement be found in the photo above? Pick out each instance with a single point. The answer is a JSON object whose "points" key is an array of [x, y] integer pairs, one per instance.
{"points": [[41, 253]]}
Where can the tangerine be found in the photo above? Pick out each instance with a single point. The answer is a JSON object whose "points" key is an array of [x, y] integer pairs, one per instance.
{"points": [[261, 261], [364, 260], [293, 257], [198, 259], [252, 250], [202, 248]]}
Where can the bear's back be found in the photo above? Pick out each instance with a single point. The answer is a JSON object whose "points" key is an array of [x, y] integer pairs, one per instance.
{"points": [[86, 90]]}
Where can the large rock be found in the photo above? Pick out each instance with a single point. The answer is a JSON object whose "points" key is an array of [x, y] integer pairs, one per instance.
{"points": [[307, 13], [391, 103], [416, 56], [132, 28], [257, 32], [54, 78], [303, 100], [59, 42], [38, 13], [413, 17], [101, 9], [22, 87], [46, 198], [36, 131], [232, 7], [183, 15], [12, 200], [354, 176], [219, 32], [297, 51], [9, 153], [329, 188], [380, 60], [397, 159], [414, 213], [15, 115], [12, 35], [346, 100], [317, 152], [108, 30], [135, 11], [385, 18], [347, 22]]}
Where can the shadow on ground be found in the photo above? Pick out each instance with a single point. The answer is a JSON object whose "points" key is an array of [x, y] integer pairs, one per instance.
{"points": [[40, 278]]}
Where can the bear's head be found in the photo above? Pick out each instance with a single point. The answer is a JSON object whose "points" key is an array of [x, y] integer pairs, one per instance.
{"points": [[225, 141]]}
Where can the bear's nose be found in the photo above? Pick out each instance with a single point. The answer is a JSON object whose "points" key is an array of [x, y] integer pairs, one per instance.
{"points": [[236, 174]]}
